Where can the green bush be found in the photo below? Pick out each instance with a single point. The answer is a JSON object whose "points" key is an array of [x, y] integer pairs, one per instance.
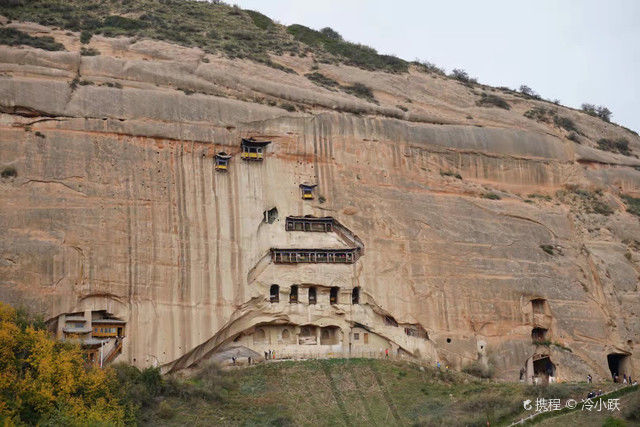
{"points": [[165, 411], [602, 208], [123, 23], [85, 36], [573, 137], [351, 53], [492, 101], [565, 123], [633, 204], [428, 67], [614, 422], [537, 113], [322, 80], [260, 20], [361, 91], [632, 412], [597, 111], [289, 107], [620, 145], [491, 196], [589, 201], [112, 84], [462, 76], [402, 107], [528, 92], [13, 37], [89, 51]]}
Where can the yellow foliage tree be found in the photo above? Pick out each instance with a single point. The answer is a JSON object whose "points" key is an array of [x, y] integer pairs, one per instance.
{"points": [[44, 380]]}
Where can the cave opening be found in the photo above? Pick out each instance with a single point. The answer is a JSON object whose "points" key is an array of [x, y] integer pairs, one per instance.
{"points": [[544, 369], [619, 365], [539, 335], [270, 215]]}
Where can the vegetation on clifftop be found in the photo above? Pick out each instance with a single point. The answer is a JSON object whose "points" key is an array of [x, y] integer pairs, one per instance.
{"points": [[212, 26], [217, 27]]}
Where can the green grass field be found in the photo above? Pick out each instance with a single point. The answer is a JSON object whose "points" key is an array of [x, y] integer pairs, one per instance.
{"points": [[348, 392]]}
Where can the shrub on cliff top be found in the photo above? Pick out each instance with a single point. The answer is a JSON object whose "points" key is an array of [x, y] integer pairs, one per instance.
{"points": [[528, 92], [597, 111], [351, 53], [462, 76], [428, 67], [261, 21]]}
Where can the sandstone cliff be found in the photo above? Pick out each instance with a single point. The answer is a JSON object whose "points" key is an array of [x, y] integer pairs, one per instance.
{"points": [[111, 201]]}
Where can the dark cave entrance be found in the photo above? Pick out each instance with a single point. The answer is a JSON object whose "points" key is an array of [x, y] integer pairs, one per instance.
{"points": [[543, 369], [619, 364]]}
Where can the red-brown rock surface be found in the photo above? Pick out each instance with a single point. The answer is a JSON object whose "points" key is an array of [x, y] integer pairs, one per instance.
{"points": [[116, 206]]}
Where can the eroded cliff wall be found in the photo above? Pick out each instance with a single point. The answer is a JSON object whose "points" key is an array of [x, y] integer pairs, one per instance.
{"points": [[116, 206]]}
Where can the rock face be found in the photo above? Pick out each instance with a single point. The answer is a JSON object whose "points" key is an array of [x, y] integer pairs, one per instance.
{"points": [[111, 201]]}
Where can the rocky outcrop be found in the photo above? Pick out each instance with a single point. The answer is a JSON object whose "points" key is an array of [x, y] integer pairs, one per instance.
{"points": [[116, 205]]}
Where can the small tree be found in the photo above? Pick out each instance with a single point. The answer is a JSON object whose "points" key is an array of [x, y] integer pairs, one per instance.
{"points": [[527, 91], [331, 33], [597, 111], [589, 109], [604, 113], [461, 75]]}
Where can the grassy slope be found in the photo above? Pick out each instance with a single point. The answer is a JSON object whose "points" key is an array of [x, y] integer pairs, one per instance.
{"points": [[355, 392], [217, 27]]}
